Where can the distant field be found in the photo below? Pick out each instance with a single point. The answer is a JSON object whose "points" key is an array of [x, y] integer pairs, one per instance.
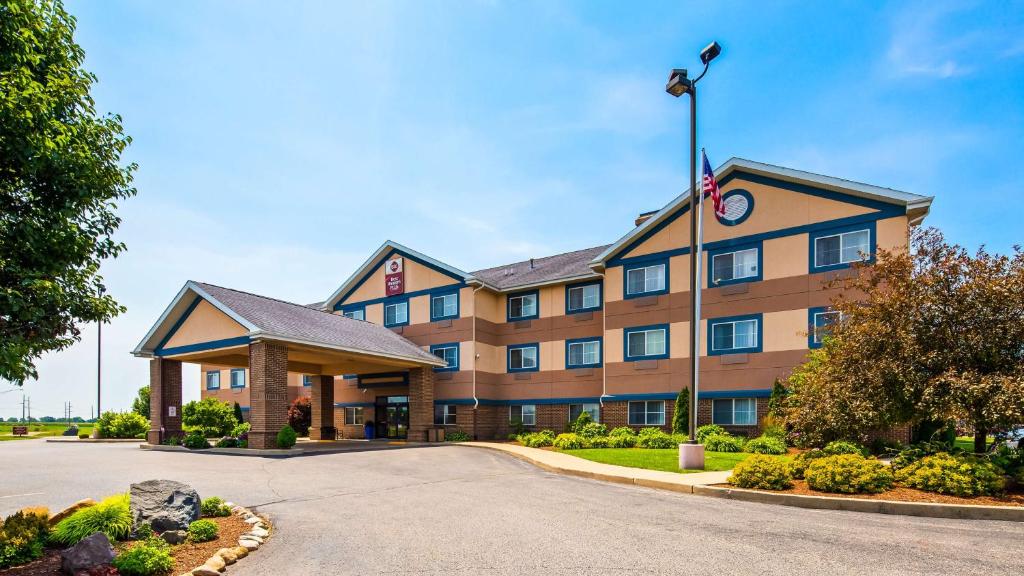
{"points": [[39, 430]]}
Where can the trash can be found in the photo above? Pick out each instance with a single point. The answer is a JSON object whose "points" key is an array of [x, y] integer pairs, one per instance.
{"points": [[368, 430]]}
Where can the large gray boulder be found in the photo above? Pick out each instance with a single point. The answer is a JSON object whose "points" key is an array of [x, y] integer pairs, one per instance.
{"points": [[95, 550], [164, 505]]}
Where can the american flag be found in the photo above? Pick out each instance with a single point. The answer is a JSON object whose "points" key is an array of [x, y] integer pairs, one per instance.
{"points": [[711, 187]]}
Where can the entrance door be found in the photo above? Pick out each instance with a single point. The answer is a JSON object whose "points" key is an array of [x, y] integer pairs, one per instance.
{"points": [[392, 416]]}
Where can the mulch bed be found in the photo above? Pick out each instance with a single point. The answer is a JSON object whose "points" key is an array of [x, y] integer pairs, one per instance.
{"points": [[48, 565], [903, 494]]}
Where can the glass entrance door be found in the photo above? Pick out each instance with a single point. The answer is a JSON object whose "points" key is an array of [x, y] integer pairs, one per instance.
{"points": [[392, 416]]}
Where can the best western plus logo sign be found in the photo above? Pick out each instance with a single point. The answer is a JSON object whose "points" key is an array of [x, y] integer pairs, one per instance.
{"points": [[394, 277]]}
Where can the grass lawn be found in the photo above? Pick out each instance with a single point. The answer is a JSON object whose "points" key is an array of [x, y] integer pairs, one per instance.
{"points": [[967, 442], [666, 460], [39, 430]]}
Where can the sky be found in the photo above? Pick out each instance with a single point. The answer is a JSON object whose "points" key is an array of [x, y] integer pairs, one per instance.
{"points": [[280, 143]]}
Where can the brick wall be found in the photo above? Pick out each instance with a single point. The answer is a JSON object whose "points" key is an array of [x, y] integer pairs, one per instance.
{"points": [[704, 417], [165, 392], [615, 414], [322, 408], [421, 403], [268, 367]]}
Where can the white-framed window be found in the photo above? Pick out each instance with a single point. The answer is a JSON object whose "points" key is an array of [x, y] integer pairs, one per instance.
{"points": [[353, 415], [238, 377], [593, 409], [735, 335], [646, 342], [357, 314], [449, 353], [445, 414], [733, 266], [842, 248], [396, 314], [647, 413], [213, 380], [444, 306], [585, 297], [522, 306], [584, 353], [734, 411], [522, 358], [645, 279], [822, 322], [526, 414]]}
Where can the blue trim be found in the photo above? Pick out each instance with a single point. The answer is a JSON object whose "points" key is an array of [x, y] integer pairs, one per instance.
{"points": [[508, 306], [600, 297], [212, 373], [750, 207], [414, 294], [394, 251], [307, 381], [455, 345], [244, 408], [647, 235], [237, 371], [757, 393], [720, 394], [812, 324], [600, 352], [809, 190], [625, 342], [728, 250], [361, 307], [225, 343], [178, 323], [643, 264], [641, 397], [458, 304], [712, 322], [813, 236], [508, 358], [394, 300], [353, 405]]}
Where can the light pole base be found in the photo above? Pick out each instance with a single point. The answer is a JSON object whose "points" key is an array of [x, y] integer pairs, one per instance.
{"points": [[691, 456]]}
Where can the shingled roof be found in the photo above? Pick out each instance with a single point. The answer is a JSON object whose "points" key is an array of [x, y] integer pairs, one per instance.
{"points": [[560, 267]]}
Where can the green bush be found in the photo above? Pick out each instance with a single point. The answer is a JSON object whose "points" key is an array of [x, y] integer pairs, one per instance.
{"points": [[570, 441], [762, 472], [798, 465], [956, 475], [172, 440], [111, 516], [240, 429], [848, 474], [774, 431], [286, 437], [537, 439], [592, 430], [622, 431], [195, 440], [653, 439], [836, 447], [766, 445], [202, 530], [881, 447], [83, 436], [723, 443], [214, 506], [456, 436], [706, 430], [209, 416], [577, 425], [227, 442], [145, 559], [121, 425], [599, 442], [23, 536], [144, 532], [622, 441]]}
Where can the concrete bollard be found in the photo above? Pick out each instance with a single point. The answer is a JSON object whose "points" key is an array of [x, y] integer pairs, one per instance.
{"points": [[691, 456]]}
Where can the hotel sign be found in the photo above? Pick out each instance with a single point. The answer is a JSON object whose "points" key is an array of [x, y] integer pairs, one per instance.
{"points": [[394, 276]]}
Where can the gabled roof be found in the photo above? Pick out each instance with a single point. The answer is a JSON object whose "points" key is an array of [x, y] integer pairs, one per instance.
{"points": [[539, 271], [281, 320], [917, 206]]}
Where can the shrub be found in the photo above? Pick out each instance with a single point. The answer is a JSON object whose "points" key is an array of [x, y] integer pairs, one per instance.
{"points": [[766, 445], [238, 416], [538, 439], [763, 472], [771, 429], [227, 442], [111, 516], [195, 440], [621, 441], [209, 416], [144, 559], [881, 446], [653, 438], [214, 506], [723, 443], [286, 437], [172, 440], [799, 463], [593, 430], [708, 430], [241, 429], [121, 425], [202, 530], [456, 436], [570, 441], [23, 536], [144, 532], [83, 436], [599, 442], [848, 474], [577, 425], [300, 415], [844, 447], [956, 475]]}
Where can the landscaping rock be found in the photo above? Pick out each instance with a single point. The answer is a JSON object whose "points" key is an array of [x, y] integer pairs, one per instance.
{"points": [[252, 519], [240, 552], [164, 504], [228, 554], [252, 537], [217, 563], [249, 544], [173, 537], [94, 550], [261, 532], [56, 518], [205, 570]]}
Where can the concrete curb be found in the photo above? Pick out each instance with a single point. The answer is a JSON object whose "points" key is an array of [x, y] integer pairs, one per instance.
{"points": [[295, 452], [76, 440]]}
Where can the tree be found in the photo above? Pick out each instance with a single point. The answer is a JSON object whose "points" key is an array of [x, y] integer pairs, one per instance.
{"points": [[141, 403], [930, 334], [777, 398], [300, 415], [238, 414], [60, 178], [210, 416], [681, 416]]}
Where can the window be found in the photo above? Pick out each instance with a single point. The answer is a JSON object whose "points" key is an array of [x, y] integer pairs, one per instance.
{"points": [[523, 306], [449, 353], [525, 414], [355, 313], [444, 414], [593, 409], [820, 319], [582, 298], [444, 306], [736, 266], [396, 313], [353, 415], [647, 413], [837, 249], [646, 280], [647, 342], [238, 377], [213, 380], [523, 358], [583, 353], [734, 335], [734, 411], [307, 380]]}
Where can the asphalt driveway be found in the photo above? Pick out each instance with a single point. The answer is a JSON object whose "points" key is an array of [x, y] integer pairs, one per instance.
{"points": [[461, 510]]}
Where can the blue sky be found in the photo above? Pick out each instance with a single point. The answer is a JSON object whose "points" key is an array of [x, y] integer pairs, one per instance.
{"points": [[279, 145]]}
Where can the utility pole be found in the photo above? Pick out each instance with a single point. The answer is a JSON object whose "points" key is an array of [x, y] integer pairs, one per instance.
{"points": [[29, 408], [22, 407]]}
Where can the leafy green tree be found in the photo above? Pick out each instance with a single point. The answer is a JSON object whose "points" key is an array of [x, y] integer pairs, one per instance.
{"points": [[210, 416], [238, 414], [681, 417], [141, 403], [60, 178], [777, 398]]}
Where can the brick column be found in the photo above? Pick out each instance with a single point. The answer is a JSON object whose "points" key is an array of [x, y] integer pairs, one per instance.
{"points": [[421, 402], [164, 399], [268, 375], [322, 405]]}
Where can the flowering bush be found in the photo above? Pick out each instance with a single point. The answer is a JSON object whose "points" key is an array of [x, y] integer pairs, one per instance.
{"points": [[570, 441], [766, 445], [706, 430], [848, 474], [956, 475], [723, 443], [763, 472]]}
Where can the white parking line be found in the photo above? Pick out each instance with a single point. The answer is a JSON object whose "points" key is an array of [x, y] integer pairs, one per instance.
{"points": [[20, 495]]}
